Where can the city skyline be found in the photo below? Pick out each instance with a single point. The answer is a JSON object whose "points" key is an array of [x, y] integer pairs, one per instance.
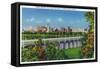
{"points": [[55, 18]]}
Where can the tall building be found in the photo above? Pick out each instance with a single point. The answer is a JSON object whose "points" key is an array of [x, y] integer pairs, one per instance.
{"points": [[49, 29]]}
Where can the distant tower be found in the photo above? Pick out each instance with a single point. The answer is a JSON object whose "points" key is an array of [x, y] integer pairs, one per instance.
{"points": [[48, 27]]}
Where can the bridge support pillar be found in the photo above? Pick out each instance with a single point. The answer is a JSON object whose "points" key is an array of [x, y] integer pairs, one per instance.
{"points": [[61, 45], [71, 44], [75, 44], [78, 42], [66, 45]]}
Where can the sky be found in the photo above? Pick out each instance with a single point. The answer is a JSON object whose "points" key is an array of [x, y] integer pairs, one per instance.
{"points": [[55, 18]]}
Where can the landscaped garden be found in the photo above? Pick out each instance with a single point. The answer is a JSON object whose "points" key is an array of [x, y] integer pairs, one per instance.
{"points": [[51, 52]]}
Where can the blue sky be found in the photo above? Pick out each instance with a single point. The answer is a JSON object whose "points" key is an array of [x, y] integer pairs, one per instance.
{"points": [[55, 18]]}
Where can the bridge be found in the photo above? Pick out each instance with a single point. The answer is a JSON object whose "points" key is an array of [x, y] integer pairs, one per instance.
{"points": [[64, 42]]}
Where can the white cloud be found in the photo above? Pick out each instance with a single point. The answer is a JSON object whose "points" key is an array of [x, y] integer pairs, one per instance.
{"points": [[31, 19], [60, 19], [48, 20]]}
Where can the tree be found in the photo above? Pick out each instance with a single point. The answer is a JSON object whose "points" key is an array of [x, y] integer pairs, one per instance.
{"points": [[90, 18], [39, 49], [52, 51], [29, 55], [87, 50]]}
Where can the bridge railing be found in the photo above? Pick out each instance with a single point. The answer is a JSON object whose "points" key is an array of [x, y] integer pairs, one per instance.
{"points": [[68, 42]]}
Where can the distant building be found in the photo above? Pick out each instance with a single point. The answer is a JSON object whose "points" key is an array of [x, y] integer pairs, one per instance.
{"points": [[40, 29], [55, 30], [63, 29], [79, 30], [69, 29], [47, 28]]}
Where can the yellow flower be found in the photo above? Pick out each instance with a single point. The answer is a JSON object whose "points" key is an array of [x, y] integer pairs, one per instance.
{"points": [[34, 49]]}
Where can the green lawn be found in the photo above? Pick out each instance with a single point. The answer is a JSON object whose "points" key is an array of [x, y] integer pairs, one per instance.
{"points": [[26, 36], [73, 53]]}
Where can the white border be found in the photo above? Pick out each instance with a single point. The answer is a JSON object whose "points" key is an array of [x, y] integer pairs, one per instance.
{"points": [[52, 8]]}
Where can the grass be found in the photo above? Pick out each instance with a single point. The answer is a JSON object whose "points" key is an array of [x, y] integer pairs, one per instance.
{"points": [[73, 53], [26, 36]]}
